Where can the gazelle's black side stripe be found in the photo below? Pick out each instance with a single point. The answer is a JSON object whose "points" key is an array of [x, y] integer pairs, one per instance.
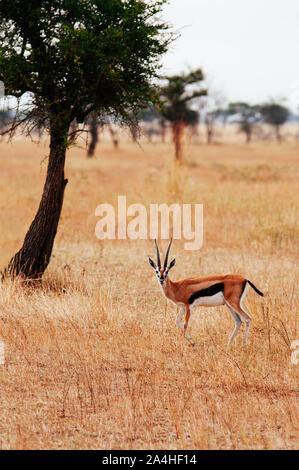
{"points": [[208, 292]]}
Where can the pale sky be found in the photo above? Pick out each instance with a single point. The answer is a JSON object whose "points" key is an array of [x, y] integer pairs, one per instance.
{"points": [[250, 48]]}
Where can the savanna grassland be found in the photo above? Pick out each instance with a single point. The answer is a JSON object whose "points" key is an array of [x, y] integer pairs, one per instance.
{"points": [[93, 357]]}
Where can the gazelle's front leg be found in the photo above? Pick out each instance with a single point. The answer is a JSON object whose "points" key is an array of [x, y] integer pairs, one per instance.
{"points": [[185, 326], [179, 317], [187, 318]]}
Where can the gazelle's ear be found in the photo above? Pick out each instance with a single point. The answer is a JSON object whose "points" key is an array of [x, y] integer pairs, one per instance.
{"points": [[152, 263], [171, 265]]}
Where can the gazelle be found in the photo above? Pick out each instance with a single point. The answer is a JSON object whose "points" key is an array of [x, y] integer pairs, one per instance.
{"points": [[209, 291]]}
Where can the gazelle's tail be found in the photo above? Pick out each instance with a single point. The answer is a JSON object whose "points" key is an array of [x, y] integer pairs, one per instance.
{"points": [[256, 290]]}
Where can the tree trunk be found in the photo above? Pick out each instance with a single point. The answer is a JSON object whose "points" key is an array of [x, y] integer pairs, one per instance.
{"points": [[278, 134], [33, 258], [209, 134], [178, 130], [113, 136], [149, 136], [94, 131], [163, 130]]}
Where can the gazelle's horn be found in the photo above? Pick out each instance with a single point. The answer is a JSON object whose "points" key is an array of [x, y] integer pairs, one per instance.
{"points": [[158, 255], [166, 256]]}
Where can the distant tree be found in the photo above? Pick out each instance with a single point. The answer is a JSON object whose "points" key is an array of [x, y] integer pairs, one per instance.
{"points": [[276, 115], [5, 119], [151, 115], [210, 119], [93, 124], [246, 115], [177, 96], [147, 118], [113, 133], [163, 127], [211, 109], [74, 58], [191, 120]]}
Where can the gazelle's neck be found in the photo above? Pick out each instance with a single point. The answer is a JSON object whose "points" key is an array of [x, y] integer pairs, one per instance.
{"points": [[168, 289]]}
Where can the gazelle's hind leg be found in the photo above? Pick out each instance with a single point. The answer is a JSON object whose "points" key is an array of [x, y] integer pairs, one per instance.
{"points": [[247, 317], [243, 317], [247, 331], [238, 322]]}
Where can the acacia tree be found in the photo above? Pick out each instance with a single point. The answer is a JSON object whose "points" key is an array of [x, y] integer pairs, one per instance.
{"points": [[177, 96], [211, 110], [74, 57], [276, 115], [247, 117]]}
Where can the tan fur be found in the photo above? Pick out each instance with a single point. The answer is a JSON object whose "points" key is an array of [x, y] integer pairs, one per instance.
{"points": [[180, 291], [229, 293]]}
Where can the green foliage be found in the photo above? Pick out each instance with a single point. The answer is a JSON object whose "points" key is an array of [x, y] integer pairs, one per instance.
{"points": [[245, 111], [274, 113], [81, 56], [178, 94]]}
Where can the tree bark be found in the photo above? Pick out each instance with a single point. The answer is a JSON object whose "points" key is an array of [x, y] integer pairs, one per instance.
{"points": [[178, 129], [163, 129], [278, 134], [113, 136], [94, 131], [209, 134], [33, 258]]}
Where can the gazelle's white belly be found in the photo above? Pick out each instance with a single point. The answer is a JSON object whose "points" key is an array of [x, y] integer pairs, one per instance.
{"points": [[209, 301]]}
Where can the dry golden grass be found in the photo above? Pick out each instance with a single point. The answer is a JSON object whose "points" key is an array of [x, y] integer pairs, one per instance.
{"points": [[93, 356]]}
